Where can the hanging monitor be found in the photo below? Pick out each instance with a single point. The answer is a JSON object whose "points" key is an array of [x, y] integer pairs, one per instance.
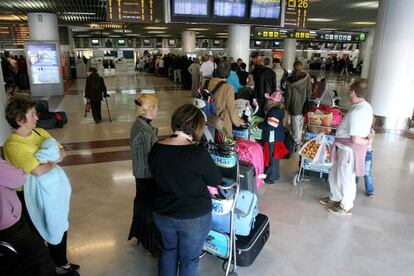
{"points": [[121, 42], [230, 8], [95, 42], [269, 9], [190, 7]]}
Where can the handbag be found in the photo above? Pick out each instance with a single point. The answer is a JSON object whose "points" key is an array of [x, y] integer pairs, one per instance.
{"points": [[87, 108]]}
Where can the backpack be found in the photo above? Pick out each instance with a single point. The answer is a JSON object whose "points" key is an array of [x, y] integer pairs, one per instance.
{"points": [[252, 153], [283, 81], [207, 97], [61, 119]]}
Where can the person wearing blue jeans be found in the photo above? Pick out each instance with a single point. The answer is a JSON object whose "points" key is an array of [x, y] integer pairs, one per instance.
{"points": [[183, 241], [369, 183], [182, 204]]}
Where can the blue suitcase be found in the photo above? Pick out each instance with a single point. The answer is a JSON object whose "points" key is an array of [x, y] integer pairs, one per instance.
{"points": [[245, 214]]}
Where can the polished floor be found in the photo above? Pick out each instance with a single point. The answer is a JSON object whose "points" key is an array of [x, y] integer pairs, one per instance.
{"points": [[305, 238]]}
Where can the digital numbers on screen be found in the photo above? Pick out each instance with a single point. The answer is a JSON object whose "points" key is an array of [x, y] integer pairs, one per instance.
{"points": [[191, 7], [265, 9], [236, 8]]}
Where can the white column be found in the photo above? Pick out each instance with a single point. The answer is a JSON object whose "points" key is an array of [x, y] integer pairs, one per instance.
{"points": [[391, 79], [43, 26], [188, 39], [289, 53], [367, 54], [4, 126], [238, 43]]}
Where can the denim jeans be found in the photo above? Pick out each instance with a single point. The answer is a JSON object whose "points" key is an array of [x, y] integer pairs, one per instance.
{"points": [[272, 171], [369, 184], [183, 241]]}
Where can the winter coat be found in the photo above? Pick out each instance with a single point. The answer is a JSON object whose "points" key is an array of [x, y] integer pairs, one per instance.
{"points": [[225, 106], [297, 91]]}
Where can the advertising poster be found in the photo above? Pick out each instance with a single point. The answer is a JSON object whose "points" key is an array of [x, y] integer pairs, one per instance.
{"points": [[44, 63]]}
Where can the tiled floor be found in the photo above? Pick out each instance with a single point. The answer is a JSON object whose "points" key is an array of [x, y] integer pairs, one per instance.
{"points": [[305, 239]]}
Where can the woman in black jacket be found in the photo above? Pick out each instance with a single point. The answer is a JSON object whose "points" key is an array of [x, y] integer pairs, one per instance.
{"points": [[182, 205]]}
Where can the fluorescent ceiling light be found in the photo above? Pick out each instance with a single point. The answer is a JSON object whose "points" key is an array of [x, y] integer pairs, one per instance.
{"points": [[198, 29], [79, 13], [366, 5], [363, 23], [155, 32], [155, 28], [328, 29], [222, 34], [320, 19]]}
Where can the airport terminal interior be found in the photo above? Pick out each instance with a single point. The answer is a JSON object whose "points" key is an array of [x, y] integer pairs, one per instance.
{"points": [[363, 37]]}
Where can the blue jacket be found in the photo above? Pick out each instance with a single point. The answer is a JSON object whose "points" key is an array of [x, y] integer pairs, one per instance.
{"points": [[233, 79], [47, 196]]}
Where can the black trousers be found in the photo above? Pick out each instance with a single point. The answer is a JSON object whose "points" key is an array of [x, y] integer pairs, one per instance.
{"points": [[96, 110], [57, 252], [33, 257]]}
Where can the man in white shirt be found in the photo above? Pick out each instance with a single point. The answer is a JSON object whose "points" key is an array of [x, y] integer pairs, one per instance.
{"points": [[206, 69], [352, 139]]}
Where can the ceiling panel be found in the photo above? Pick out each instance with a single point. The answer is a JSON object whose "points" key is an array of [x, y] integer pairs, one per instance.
{"points": [[92, 14]]}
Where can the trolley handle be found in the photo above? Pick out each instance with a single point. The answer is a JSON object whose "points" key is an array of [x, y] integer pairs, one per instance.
{"points": [[234, 185]]}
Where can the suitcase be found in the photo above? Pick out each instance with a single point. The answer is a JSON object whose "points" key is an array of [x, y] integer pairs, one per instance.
{"points": [[252, 153], [217, 244], [249, 247], [247, 176], [244, 215]]}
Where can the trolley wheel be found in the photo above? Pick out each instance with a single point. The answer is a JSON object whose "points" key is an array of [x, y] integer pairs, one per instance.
{"points": [[296, 179]]}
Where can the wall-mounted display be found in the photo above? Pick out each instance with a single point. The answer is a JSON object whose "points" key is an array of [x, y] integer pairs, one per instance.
{"points": [[95, 42], [230, 8], [44, 63], [121, 42], [190, 7], [270, 9], [130, 11]]}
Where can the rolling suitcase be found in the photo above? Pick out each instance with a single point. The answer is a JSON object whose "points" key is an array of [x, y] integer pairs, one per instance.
{"points": [[247, 178], [249, 247]]}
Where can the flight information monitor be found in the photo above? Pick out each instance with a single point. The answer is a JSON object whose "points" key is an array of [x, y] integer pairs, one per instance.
{"points": [[190, 7], [269, 9], [230, 8]]}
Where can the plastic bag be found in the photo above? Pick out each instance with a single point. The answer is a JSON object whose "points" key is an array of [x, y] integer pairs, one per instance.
{"points": [[314, 150]]}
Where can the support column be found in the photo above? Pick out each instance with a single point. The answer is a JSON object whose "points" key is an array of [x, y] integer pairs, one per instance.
{"points": [[367, 54], [4, 126], [188, 39], [289, 53], [391, 80], [45, 74], [238, 43]]}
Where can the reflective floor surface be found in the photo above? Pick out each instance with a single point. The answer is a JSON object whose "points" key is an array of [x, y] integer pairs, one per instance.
{"points": [[305, 238]]}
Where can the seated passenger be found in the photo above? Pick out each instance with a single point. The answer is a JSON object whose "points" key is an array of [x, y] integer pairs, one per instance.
{"points": [[182, 203]]}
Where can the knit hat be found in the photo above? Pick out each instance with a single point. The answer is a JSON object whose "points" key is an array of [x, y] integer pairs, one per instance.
{"points": [[275, 96]]}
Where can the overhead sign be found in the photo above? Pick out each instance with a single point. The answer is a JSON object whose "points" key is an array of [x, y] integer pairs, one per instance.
{"points": [[130, 10], [14, 34], [274, 33], [296, 13]]}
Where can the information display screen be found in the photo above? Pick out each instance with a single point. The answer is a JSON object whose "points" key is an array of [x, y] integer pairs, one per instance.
{"points": [[190, 7], [230, 8], [121, 42], [95, 42], [269, 9], [130, 11], [44, 63]]}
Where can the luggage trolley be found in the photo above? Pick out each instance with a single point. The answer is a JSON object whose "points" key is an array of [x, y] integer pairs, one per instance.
{"points": [[306, 165], [220, 244]]}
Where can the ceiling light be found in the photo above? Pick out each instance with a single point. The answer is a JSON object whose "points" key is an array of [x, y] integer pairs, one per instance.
{"points": [[79, 13], [328, 29], [222, 34], [363, 23], [155, 28], [366, 5], [320, 19], [155, 32], [198, 29]]}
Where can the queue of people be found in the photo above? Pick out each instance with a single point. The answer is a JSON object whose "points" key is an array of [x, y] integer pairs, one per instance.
{"points": [[172, 206]]}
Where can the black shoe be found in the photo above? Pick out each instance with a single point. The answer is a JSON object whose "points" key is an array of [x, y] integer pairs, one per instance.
{"points": [[67, 269]]}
